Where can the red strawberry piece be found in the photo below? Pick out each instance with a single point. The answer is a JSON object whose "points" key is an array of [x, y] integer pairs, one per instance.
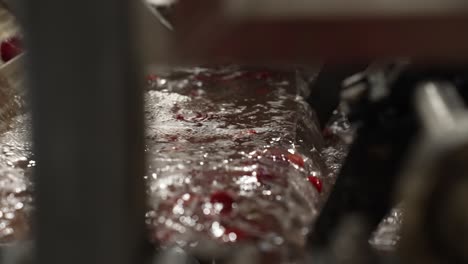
{"points": [[251, 131], [11, 48], [296, 159], [180, 117], [316, 182], [223, 198]]}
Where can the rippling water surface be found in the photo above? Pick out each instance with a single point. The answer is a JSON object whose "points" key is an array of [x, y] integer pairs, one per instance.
{"points": [[235, 156]]}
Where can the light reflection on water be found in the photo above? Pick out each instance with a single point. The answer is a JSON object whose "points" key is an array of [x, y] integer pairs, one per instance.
{"points": [[209, 131]]}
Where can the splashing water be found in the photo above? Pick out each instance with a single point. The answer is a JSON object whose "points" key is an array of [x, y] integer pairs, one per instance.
{"points": [[235, 156]]}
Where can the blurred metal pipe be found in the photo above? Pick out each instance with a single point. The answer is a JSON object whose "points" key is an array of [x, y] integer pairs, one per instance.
{"points": [[434, 184], [154, 33], [88, 131], [439, 106]]}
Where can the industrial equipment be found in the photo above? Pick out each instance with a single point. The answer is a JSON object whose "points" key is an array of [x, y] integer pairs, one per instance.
{"points": [[395, 69]]}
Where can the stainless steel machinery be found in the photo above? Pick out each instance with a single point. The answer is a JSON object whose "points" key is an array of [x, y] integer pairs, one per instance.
{"points": [[84, 59]]}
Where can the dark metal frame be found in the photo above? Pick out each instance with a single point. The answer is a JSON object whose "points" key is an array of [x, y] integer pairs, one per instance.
{"points": [[86, 102]]}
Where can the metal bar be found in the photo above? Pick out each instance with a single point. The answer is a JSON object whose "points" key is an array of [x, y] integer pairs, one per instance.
{"points": [[435, 185], [439, 106], [367, 179], [326, 89], [88, 133]]}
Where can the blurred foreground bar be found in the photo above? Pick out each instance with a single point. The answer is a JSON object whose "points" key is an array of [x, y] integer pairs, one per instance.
{"points": [[88, 136], [308, 30]]}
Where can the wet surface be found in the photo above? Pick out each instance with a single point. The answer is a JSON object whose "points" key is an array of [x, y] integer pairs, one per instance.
{"points": [[15, 185], [234, 157], [387, 235]]}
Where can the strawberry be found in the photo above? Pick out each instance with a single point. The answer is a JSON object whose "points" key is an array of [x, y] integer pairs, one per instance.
{"points": [[11, 48], [316, 182], [223, 198]]}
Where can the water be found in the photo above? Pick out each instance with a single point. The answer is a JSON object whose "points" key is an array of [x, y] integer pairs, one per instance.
{"points": [[15, 187], [235, 157]]}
